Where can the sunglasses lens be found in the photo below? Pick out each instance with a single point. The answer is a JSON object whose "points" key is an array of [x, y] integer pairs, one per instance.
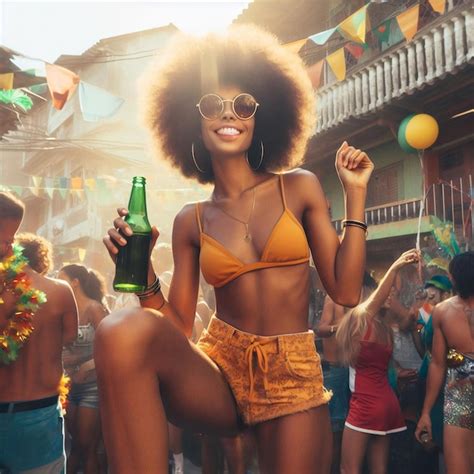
{"points": [[245, 106], [210, 106]]}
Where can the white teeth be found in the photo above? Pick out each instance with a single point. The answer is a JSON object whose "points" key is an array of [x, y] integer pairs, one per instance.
{"points": [[228, 131]]}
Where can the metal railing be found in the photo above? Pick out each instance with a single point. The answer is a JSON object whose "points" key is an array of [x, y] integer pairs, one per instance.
{"points": [[447, 200]]}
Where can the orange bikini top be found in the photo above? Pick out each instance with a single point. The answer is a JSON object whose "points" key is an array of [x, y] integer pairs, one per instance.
{"points": [[287, 245]]}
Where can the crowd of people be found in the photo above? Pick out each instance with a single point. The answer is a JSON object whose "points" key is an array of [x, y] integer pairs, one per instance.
{"points": [[241, 369]]}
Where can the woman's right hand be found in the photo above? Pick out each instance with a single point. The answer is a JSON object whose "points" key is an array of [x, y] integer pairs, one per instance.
{"points": [[114, 238], [410, 256]]}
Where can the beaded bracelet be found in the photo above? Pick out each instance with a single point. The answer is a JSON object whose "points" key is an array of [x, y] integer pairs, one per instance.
{"points": [[151, 290]]}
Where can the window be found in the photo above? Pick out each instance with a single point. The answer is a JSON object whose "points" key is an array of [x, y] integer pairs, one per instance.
{"points": [[383, 185]]}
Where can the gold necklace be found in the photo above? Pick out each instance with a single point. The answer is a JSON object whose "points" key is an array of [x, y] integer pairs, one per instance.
{"points": [[247, 236]]}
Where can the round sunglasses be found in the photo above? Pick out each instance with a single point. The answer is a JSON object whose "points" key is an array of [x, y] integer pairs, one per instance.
{"points": [[211, 106]]}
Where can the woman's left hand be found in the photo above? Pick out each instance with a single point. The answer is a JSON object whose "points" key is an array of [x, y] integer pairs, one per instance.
{"points": [[353, 167]]}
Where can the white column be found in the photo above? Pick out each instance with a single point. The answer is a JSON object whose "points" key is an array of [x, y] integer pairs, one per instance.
{"points": [[403, 70], [387, 77], [420, 62], [372, 88], [469, 24], [438, 50], [358, 94], [365, 91], [395, 66], [351, 88], [429, 56], [380, 87], [458, 22], [411, 66], [448, 40]]}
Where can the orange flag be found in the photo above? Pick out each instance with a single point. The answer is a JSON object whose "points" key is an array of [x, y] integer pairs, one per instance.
{"points": [[315, 73], [6, 81], [438, 5], [76, 183], [295, 46], [61, 83], [337, 61], [408, 22]]}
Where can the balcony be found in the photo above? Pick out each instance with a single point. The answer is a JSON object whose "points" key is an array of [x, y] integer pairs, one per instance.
{"points": [[74, 224], [436, 51], [445, 201]]}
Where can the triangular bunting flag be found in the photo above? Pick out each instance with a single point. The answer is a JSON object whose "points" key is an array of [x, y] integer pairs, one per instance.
{"points": [[295, 46], [355, 49], [382, 32], [76, 183], [438, 6], [81, 254], [322, 37], [63, 192], [6, 81], [315, 73], [37, 181], [61, 83], [34, 190], [408, 22], [90, 183], [97, 103], [18, 190], [78, 192], [337, 61], [63, 182], [354, 27], [49, 192]]}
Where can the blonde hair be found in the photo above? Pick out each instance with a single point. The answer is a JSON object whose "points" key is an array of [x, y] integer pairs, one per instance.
{"points": [[349, 333]]}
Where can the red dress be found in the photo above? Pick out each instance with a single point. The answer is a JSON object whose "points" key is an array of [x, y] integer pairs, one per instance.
{"points": [[374, 407]]}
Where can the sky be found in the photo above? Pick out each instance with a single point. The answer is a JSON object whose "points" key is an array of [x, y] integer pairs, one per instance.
{"points": [[45, 30]]}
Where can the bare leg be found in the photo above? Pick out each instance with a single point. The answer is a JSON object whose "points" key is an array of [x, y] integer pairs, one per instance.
{"points": [[378, 454], [300, 443], [354, 445], [74, 455], [88, 436], [458, 450], [234, 454], [144, 366]]}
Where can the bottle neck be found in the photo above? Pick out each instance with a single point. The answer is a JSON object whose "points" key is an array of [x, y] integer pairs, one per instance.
{"points": [[137, 203]]}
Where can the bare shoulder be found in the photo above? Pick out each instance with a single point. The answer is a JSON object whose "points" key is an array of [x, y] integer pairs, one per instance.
{"points": [[52, 286], [185, 223], [303, 183]]}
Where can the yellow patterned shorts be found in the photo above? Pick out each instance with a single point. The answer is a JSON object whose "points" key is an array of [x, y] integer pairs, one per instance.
{"points": [[270, 376]]}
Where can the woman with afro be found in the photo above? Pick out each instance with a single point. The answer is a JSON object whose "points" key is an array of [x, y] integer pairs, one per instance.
{"points": [[236, 111]]}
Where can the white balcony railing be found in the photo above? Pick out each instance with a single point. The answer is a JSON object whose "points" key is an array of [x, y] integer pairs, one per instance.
{"points": [[440, 51], [447, 200]]}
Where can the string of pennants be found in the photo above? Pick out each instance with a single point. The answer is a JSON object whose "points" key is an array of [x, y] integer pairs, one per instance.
{"points": [[89, 186], [95, 103], [354, 29]]}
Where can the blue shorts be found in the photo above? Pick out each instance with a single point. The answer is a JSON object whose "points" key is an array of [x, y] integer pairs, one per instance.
{"points": [[336, 379], [32, 442], [84, 395]]}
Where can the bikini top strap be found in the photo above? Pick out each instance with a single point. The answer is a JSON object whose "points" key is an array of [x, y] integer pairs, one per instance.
{"points": [[198, 217], [282, 187]]}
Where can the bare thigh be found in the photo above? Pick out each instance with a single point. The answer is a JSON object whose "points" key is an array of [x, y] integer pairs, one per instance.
{"points": [[87, 428], [458, 450], [377, 452], [149, 372], [354, 446], [300, 443]]}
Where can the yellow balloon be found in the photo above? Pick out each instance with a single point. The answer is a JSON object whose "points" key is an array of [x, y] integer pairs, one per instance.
{"points": [[421, 131]]}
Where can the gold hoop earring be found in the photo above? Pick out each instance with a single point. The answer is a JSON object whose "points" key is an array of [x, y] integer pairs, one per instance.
{"points": [[194, 159], [262, 152]]}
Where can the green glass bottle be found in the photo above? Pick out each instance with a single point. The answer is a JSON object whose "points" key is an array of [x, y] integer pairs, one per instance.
{"points": [[131, 268]]}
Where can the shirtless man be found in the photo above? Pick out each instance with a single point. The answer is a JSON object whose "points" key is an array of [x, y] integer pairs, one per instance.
{"points": [[453, 356], [31, 425]]}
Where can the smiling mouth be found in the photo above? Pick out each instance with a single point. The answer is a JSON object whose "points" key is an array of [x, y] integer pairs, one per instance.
{"points": [[228, 131]]}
